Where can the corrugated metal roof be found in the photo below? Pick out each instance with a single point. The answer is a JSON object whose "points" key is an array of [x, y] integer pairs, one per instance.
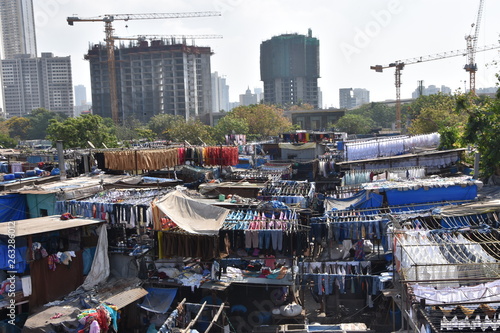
{"points": [[126, 297], [43, 224]]}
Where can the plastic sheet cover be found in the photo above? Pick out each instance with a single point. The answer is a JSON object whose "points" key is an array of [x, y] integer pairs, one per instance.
{"points": [[192, 216]]}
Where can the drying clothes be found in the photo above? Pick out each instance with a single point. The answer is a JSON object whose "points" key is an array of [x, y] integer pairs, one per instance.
{"points": [[130, 207], [183, 245], [141, 159], [359, 252], [52, 261], [361, 150]]}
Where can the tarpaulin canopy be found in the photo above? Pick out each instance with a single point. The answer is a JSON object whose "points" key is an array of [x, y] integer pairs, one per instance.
{"points": [[362, 200], [12, 207], [192, 216], [158, 300]]}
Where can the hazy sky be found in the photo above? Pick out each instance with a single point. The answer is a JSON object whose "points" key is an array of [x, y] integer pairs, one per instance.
{"points": [[353, 35]]}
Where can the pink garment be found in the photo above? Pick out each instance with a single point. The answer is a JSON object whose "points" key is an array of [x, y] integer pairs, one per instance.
{"points": [[94, 327]]}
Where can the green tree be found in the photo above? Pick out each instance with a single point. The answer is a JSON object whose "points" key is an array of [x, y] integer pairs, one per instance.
{"points": [[442, 101], [19, 127], [77, 132], [354, 124], [6, 141], [449, 137], [381, 114], [263, 120], [192, 131], [39, 122], [162, 123], [482, 130], [145, 133], [435, 113], [228, 125]]}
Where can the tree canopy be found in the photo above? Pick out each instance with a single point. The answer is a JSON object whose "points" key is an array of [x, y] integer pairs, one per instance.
{"points": [[192, 131], [263, 120], [482, 130], [77, 132], [161, 125], [19, 127], [228, 125], [381, 114], [354, 124], [433, 113], [39, 122]]}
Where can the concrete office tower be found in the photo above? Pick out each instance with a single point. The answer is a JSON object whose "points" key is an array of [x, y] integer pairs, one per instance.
{"points": [[361, 96], [80, 95], [30, 83], [346, 98], [18, 28], [289, 68], [157, 78], [350, 98], [248, 98], [220, 93]]}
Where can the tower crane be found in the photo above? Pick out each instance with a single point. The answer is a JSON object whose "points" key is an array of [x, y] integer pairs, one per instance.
{"points": [[471, 65], [108, 19], [399, 65]]}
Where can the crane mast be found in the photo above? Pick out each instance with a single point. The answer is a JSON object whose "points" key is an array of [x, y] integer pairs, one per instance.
{"points": [[471, 40], [108, 19]]}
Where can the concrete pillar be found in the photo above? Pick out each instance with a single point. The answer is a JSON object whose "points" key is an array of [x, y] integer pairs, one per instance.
{"points": [[60, 155], [477, 157]]}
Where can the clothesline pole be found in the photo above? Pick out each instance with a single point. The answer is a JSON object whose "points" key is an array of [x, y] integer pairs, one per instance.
{"points": [[192, 322], [216, 317]]}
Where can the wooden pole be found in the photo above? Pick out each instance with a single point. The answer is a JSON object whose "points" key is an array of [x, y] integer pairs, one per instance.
{"points": [[216, 317], [192, 322]]}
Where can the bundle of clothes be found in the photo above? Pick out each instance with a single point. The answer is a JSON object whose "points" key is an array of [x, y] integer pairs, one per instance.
{"points": [[103, 318]]}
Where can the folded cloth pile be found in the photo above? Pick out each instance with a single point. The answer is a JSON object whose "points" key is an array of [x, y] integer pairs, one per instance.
{"points": [[103, 318]]}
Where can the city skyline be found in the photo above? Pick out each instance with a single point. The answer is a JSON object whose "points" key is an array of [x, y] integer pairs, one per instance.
{"points": [[353, 35]]}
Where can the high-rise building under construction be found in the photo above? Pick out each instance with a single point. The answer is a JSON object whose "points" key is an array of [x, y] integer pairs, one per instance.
{"points": [[161, 77], [289, 68]]}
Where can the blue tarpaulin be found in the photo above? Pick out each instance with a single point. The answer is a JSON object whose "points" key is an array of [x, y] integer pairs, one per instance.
{"points": [[362, 200], [396, 197], [12, 207], [158, 300]]}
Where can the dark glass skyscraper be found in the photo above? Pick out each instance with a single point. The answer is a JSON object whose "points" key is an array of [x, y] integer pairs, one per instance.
{"points": [[289, 68]]}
